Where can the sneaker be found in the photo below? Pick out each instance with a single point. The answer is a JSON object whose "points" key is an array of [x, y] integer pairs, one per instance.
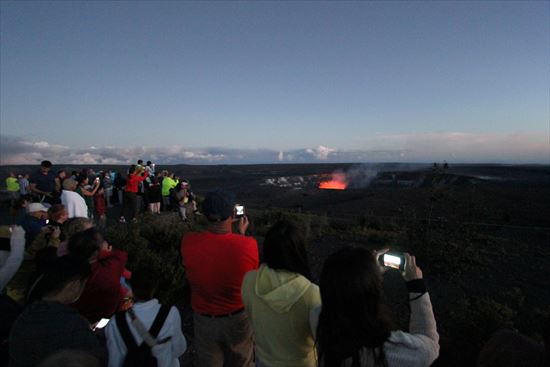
{"points": [[134, 220], [122, 220], [196, 212]]}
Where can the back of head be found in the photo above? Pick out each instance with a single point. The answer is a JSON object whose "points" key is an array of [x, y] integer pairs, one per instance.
{"points": [[56, 212], [69, 184], [218, 205], [75, 225], [144, 282], [57, 274], [85, 243], [352, 316], [285, 248]]}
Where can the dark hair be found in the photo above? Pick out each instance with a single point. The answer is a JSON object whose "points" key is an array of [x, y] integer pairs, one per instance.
{"points": [[55, 211], [285, 248], [85, 243], [132, 169], [57, 274], [352, 317], [80, 178], [140, 161], [144, 282], [46, 164], [149, 163]]}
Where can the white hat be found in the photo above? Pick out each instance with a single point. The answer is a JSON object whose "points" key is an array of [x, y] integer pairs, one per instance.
{"points": [[36, 207]]}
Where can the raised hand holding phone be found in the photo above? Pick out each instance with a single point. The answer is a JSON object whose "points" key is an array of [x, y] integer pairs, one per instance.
{"points": [[243, 224], [412, 271]]}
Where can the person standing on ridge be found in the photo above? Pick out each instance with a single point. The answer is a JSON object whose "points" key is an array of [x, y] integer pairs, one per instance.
{"points": [[215, 262]]}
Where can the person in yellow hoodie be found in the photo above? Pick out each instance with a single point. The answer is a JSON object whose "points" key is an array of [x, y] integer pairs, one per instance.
{"points": [[279, 297]]}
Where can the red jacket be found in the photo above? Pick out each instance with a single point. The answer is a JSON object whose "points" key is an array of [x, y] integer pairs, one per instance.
{"points": [[134, 180], [102, 293]]}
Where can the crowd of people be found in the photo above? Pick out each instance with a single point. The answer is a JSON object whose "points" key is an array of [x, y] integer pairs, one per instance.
{"points": [[61, 281], [87, 193]]}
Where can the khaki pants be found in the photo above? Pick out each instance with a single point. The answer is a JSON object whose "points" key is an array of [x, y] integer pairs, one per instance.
{"points": [[224, 341]]}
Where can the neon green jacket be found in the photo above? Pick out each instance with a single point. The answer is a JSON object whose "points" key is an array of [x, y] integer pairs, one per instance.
{"points": [[12, 184], [167, 184]]}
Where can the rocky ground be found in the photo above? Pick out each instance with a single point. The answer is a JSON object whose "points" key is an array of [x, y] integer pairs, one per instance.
{"points": [[481, 234]]}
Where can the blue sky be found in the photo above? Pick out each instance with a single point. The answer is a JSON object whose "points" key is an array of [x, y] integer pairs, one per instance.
{"points": [[265, 82]]}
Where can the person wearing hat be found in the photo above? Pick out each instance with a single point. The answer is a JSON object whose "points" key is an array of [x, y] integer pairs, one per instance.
{"points": [[215, 263], [72, 201], [32, 223]]}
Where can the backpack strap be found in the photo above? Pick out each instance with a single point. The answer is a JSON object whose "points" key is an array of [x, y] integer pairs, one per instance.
{"points": [[125, 332], [159, 320]]}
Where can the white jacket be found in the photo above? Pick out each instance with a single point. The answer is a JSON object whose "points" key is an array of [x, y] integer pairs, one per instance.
{"points": [[167, 354]]}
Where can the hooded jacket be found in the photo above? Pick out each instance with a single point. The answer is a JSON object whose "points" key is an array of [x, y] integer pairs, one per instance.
{"points": [[279, 303]]}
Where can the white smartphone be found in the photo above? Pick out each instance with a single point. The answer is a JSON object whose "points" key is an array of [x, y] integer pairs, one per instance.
{"points": [[102, 323]]}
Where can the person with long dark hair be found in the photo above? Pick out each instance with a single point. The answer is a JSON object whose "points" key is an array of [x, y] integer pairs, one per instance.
{"points": [[279, 297], [103, 292], [49, 324], [353, 328]]}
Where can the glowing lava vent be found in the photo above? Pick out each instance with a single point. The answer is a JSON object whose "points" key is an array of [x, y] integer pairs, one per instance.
{"points": [[338, 182]]}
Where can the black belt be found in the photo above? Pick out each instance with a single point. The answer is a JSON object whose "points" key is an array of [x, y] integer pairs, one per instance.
{"points": [[224, 315]]}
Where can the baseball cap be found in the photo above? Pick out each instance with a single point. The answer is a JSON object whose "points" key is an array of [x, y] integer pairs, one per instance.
{"points": [[36, 207], [218, 205]]}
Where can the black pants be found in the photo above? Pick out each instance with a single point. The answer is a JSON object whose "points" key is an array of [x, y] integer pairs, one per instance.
{"points": [[130, 205]]}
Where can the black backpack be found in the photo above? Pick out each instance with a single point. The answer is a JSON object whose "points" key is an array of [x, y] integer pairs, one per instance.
{"points": [[140, 355]]}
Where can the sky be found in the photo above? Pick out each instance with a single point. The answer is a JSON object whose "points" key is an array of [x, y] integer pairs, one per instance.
{"points": [[274, 82]]}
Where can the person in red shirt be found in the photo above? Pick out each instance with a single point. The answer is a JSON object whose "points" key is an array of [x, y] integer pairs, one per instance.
{"points": [[136, 175], [215, 262], [103, 292]]}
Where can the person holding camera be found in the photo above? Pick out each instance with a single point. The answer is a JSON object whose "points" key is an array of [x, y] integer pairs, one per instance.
{"points": [[136, 174], [215, 263], [87, 192], [352, 327]]}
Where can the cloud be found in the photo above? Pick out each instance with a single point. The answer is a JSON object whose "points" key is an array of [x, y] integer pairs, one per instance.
{"points": [[520, 147], [321, 152], [532, 147]]}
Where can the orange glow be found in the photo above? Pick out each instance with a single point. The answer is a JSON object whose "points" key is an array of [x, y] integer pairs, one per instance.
{"points": [[333, 185], [338, 182]]}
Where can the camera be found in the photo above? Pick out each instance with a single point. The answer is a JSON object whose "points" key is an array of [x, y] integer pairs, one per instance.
{"points": [[393, 260], [239, 210]]}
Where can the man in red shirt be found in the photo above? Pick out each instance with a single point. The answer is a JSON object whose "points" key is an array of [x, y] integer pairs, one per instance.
{"points": [[215, 262]]}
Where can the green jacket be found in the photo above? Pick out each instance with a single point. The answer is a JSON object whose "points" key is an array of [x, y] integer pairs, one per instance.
{"points": [[12, 184], [167, 184]]}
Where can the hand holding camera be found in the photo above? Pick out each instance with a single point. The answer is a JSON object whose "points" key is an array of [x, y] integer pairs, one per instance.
{"points": [[243, 225], [412, 271], [404, 262]]}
